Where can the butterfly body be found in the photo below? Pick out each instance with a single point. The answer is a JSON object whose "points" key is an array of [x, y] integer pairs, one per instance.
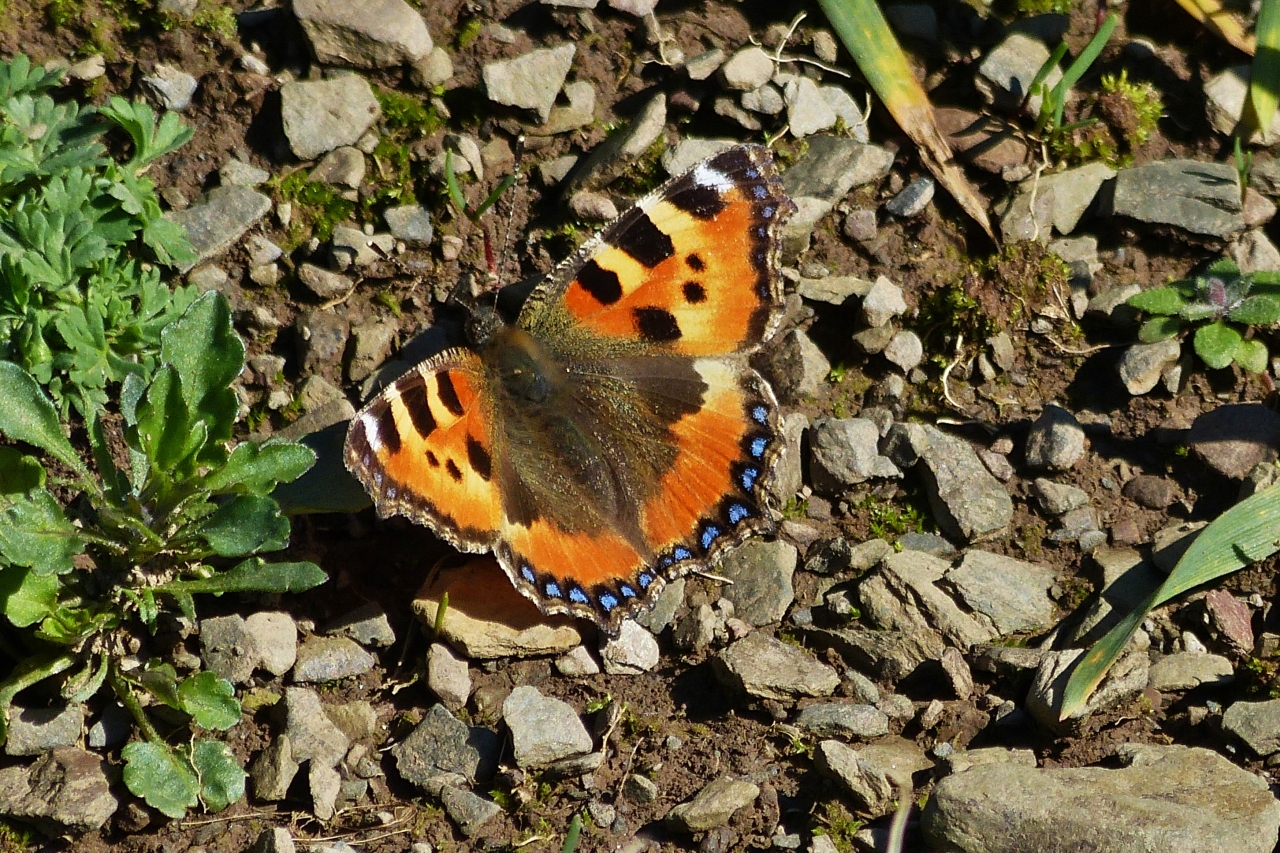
{"points": [[614, 435]]}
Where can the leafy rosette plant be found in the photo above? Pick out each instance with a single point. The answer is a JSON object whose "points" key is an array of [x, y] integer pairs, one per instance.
{"points": [[93, 552], [1223, 305]]}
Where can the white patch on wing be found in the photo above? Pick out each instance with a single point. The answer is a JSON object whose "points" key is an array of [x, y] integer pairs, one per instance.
{"points": [[370, 426], [705, 176]]}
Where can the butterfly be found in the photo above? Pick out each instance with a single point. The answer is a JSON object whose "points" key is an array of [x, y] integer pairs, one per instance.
{"points": [[614, 436]]}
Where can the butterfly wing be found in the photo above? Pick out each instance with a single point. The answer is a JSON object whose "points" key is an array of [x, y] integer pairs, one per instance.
{"points": [[652, 322], [424, 448]]}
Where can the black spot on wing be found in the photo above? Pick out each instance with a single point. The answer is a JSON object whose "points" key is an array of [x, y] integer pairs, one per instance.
{"points": [[657, 325], [602, 284], [432, 459], [643, 240], [388, 434], [479, 459], [698, 200], [416, 404], [448, 394], [695, 262], [453, 470], [694, 293]]}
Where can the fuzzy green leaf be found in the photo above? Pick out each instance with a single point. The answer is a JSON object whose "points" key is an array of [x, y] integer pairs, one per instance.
{"points": [[1252, 356], [161, 681], [19, 473], [252, 575], [1256, 311], [210, 700], [1158, 300], [1216, 344], [163, 431], [246, 524], [35, 532], [257, 468], [221, 776], [162, 777], [28, 415], [1159, 329], [26, 596], [208, 355]]}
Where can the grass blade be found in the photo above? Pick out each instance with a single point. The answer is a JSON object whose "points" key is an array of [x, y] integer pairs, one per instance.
{"points": [[1221, 22], [1264, 80], [871, 43]]}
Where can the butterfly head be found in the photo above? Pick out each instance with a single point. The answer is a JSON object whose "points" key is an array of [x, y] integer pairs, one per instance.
{"points": [[483, 324]]}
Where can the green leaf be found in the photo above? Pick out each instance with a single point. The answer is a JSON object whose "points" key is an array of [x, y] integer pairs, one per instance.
{"points": [[253, 575], [210, 700], [221, 776], [208, 356], [28, 415], [1247, 532], [19, 473], [27, 597], [163, 431], [257, 468], [162, 777], [1158, 300], [1252, 356], [35, 532], [161, 681], [246, 524], [1256, 311], [1216, 344], [1159, 329]]}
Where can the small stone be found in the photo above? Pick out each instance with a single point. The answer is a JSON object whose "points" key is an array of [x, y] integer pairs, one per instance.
{"points": [[704, 64], [1058, 498], [1056, 440], [276, 637], [808, 111], [760, 572], [1151, 492], [341, 167], [364, 33], [543, 730], [1189, 670], [1257, 724], [448, 676], [883, 302], [469, 811], [322, 115], [172, 87], [322, 659], [35, 731], [714, 805], [640, 789], [272, 770], [324, 284], [748, 69], [913, 199], [1232, 439], [635, 651], [762, 666], [237, 173], [65, 790], [434, 69], [228, 648], [367, 625], [531, 81], [577, 662], [844, 720], [1142, 365], [844, 452], [905, 350], [442, 748], [796, 367]]}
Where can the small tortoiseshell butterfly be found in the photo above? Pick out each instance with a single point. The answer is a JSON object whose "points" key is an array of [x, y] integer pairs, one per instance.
{"points": [[614, 435]]}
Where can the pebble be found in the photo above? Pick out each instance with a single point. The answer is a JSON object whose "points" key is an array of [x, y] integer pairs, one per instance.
{"points": [[531, 81], [228, 648], [66, 790], [905, 350], [760, 572], [34, 731], [748, 69], [275, 636], [1059, 498], [326, 285], [237, 173], [714, 805], [767, 668], [369, 34], [844, 720], [844, 452], [874, 773], [796, 367], [1233, 438], [1142, 365], [367, 625], [1005, 73], [342, 167], [323, 659], [1196, 196], [635, 651], [1150, 491], [705, 64], [808, 111], [219, 219], [172, 87], [543, 730], [443, 750], [913, 198], [1189, 670], [577, 662], [469, 811], [319, 116], [448, 676], [884, 301], [1056, 440]]}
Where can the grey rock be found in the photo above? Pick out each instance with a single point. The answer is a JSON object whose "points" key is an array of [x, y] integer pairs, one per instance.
{"points": [[34, 731], [579, 112], [367, 624], [219, 219], [874, 773], [321, 115], [322, 339], [1142, 365], [112, 727], [767, 668], [1257, 724], [341, 167], [172, 87], [664, 607], [469, 811], [748, 69], [727, 107], [844, 720], [411, 224], [874, 339], [1065, 195], [89, 68], [237, 173], [1225, 95], [228, 648], [1013, 594], [958, 672], [912, 199], [714, 805], [1059, 498], [371, 345], [796, 367], [325, 783], [448, 676], [274, 840], [766, 100], [808, 112], [1126, 679], [926, 543], [434, 69], [353, 246], [317, 392], [1232, 439], [1254, 252], [577, 662], [704, 64], [890, 654], [1150, 491], [261, 250], [860, 225], [1005, 74], [1056, 440], [696, 630], [905, 351], [363, 33], [1189, 670], [1188, 799], [967, 500], [322, 659], [844, 452], [272, 770], [903, 595], [592, 206], [833, 165], [442, 748], [1202, 198], [543, 730], [313, 736], [640, 789], [690, 151], [833, 289], [326, 285], [1075, 525], [637, 8], [635, 651], [882, 303], [761, 573], [64, 790], [622, 149], [849, 112], [531, 81]]}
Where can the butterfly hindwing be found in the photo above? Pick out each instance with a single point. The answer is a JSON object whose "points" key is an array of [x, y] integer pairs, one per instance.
{"points": [[423, 448]]}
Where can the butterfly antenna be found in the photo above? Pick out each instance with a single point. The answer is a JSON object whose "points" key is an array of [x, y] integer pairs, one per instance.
{"points": [[511, 212]]}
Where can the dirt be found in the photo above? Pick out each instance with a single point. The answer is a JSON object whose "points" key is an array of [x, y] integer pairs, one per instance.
{"points": [[237, 113]]}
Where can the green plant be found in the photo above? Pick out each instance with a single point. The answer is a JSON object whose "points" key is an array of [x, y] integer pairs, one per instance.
{"points": [[1117, 121], [85, 579], [1244, 165], [1223, 304], [1053, 101], [77, 309]]}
